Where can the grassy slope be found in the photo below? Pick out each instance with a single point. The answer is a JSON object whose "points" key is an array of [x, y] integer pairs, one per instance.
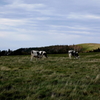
{"points": [[55, 78], [89, 46]]}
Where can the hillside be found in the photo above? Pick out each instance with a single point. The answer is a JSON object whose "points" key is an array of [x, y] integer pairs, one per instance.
{"points": [[89, 46]]}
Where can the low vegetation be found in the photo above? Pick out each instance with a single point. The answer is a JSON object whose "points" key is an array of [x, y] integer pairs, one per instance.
{"points": [[54, 78], [89, 46]]}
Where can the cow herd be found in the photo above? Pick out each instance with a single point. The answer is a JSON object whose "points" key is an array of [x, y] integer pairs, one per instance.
{"points": [[41, 54]]}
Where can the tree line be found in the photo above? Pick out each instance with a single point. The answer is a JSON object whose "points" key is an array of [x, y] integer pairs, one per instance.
{"points": [[56, 49]]}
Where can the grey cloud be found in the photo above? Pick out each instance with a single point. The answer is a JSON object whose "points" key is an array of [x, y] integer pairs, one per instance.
{"points": [[73, 21]]}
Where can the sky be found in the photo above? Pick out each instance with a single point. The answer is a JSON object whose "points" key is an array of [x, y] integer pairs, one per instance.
{"points": [[39, 23]]}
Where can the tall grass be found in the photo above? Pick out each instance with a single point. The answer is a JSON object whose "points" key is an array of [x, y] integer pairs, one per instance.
{"points": [[55, 78]]}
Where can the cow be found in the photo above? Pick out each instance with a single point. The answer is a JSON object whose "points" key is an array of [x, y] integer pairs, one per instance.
{"points": [[73, 53], [38, 54]]}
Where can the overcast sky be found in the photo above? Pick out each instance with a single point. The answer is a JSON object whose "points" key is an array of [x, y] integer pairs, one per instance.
{"points": [[37, 23]]}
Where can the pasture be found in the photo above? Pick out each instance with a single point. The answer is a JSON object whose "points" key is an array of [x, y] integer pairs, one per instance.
{"points": [[54, 78]]}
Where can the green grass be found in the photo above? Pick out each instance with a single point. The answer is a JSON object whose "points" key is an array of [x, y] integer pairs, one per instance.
{"points": [[55, 78], [89, 46]]}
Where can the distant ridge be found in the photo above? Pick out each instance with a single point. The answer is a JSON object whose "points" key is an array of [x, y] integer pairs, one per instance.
{"points": [[89, 46], [56, 49]]}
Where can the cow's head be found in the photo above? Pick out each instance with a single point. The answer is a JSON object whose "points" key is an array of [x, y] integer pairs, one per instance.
{"points": [[45, 54], [77, 55]]}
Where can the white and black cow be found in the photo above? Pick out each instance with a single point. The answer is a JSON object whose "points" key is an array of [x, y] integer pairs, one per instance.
{"points": [[73, 53], [38, 54]]}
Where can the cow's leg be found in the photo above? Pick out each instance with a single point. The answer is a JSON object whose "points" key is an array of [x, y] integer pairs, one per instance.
{"points": [[77, 57], [70, 55], [31, 57]]}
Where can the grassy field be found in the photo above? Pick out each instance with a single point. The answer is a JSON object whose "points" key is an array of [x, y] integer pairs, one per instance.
{"points": [[89, 46], [55, 78]]}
